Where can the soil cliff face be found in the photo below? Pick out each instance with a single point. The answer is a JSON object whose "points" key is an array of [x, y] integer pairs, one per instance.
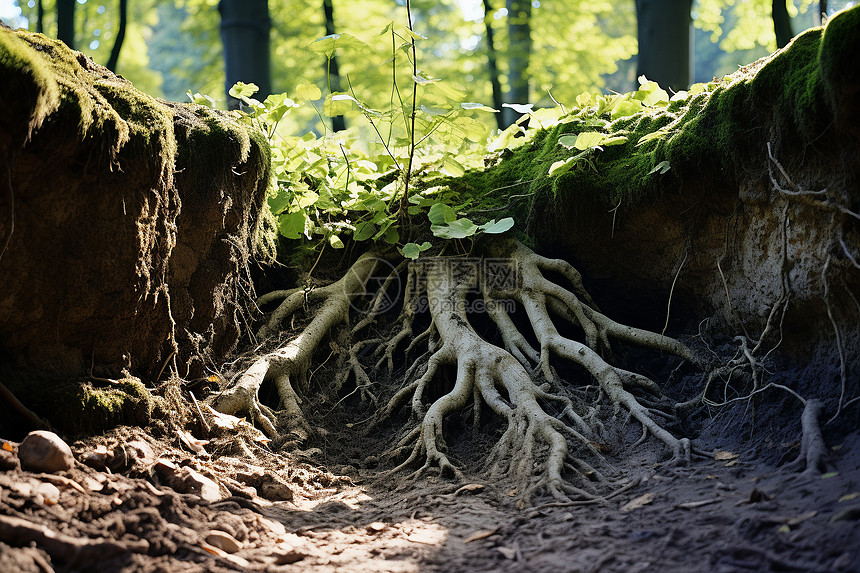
{"points": [[126, 222]]}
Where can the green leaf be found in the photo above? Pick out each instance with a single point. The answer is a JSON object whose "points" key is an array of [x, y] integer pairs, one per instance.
{"points": [[340, 103], [364, 231], [563, 166], [423, 80], [567, 140], [201, 99], [413, 250], [616, 140], [292, 225], [458, 229], [308, 92], [307, 199], [588, 139], [440, 213], [414, 35], [497, 227], [279, 202], [328, 44], [625, 108], [391, 236], [454, 167], [650, 136], [242, 91], [519, 107], [478, 106], [335, 242], [584, 99], [660, 168]]}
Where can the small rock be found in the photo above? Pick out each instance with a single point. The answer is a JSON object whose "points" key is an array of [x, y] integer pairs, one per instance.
{"points": [[98, 459], [274, 489], [223, 541], [289, 557], [376, 526], [188, 480], [134, 453], [43, 451]]}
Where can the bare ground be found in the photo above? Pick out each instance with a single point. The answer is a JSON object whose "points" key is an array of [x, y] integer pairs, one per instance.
{"points": [[735, 513]]}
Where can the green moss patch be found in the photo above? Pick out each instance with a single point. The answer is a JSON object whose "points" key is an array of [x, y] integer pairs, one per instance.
{"points": [[717, 135]]}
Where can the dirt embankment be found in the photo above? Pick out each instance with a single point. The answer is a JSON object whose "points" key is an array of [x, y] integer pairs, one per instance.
{"points": [[126, 223]]}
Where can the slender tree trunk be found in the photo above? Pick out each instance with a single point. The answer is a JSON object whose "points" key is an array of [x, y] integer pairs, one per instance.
{"points": [[40, 17], [781, 23], [492, 66], [120, 36], [664, 42], [66, 22], [245, 26], [338, 123], [822, 12], [519, 54]]}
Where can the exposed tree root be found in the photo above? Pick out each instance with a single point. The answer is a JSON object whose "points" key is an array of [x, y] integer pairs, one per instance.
{"points": [[552, 440], [288, 365], [534, 448]]}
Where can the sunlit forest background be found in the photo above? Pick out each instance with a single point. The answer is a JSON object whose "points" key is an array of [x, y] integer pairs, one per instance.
{"points": [[172, 48]]}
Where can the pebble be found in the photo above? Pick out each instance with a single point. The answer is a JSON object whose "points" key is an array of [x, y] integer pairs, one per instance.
{"points": [[223, 541], [43, 451]]}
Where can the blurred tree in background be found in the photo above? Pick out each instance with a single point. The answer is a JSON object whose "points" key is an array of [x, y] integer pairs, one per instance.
{"points": [[520, 51]]}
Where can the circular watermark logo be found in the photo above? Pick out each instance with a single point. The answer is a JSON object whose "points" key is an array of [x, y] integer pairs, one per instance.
{"points": [[383, 286]]}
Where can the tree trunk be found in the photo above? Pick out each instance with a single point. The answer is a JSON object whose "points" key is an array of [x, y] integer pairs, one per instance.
{"points": [[492, 66], [66, 22], [822, 12], [664, 42], [245, 26], [40, 17], [519, 53], [781, 23], [120, 36], [338, 123]]}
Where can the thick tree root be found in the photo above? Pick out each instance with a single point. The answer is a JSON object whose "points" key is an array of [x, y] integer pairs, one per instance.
{"points": [[534, 448], [287, 366]]}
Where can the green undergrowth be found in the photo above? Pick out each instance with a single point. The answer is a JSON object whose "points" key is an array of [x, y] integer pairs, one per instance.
{"points": [[716, 133], [557, 166]]}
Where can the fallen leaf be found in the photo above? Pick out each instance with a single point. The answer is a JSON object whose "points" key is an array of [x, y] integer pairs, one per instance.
{"points": [[725, 456], [849, 496], [481, 534], [829, 475], [8, 447], [731, 463], [640, 501], [783, 529], [470, 488]]}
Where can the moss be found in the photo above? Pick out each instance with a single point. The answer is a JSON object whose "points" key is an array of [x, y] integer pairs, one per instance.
{"points": [[79, 407], [711, 136]]}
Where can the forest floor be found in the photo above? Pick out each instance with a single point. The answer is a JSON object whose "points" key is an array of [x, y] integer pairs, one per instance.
{"points": [[732, 513]]}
